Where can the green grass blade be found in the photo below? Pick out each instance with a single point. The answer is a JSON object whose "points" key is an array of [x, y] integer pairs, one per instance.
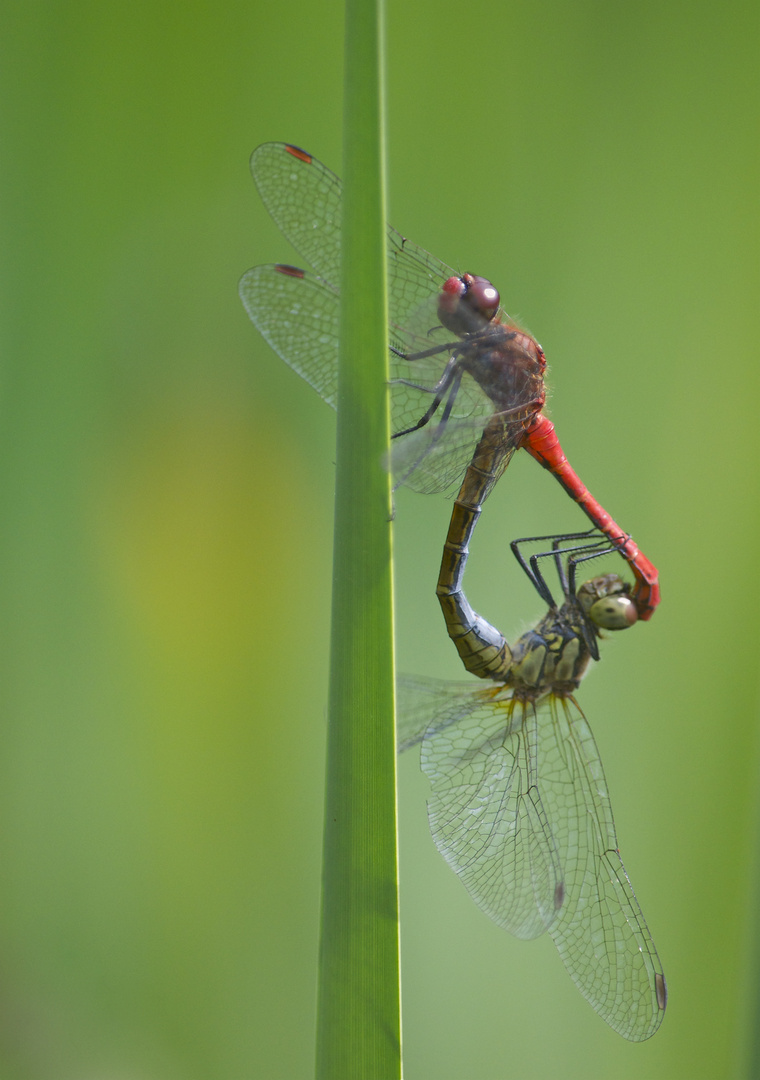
{"points": [[358, 1025]]}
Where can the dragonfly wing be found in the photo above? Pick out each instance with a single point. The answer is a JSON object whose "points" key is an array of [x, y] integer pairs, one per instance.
{"points": [[304, 199], [485, 810], [424, 706], [600, 933], [414, 276], [435, 457], [297, 314]]}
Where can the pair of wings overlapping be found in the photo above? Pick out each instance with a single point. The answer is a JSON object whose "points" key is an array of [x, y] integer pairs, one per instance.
{"points": [[520, 811], [298, 315]]}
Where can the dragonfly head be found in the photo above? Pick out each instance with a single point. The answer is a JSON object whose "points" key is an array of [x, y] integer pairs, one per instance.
{"points": [[467, 303], [607, 603]]}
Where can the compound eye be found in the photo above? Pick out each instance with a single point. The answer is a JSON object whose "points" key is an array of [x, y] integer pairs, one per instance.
{"points": [[482, 296], [452, 293], [613, 612], [454, 288]]}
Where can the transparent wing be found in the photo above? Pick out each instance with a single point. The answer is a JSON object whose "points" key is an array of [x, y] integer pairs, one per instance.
{"points": [[426, 706], [485, 809], [297, 315], [433, 458], [427, 462], [521, 812], [304, 198], [601, 933]]}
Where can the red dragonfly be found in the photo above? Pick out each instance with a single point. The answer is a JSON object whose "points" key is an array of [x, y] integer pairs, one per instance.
{"points": [[467, 386]]}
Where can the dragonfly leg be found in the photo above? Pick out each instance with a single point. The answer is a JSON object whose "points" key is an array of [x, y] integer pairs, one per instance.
{"points": [[566, 561], [455, 381], [448, 346], [449, 380], [592, 545], [414, 386]]}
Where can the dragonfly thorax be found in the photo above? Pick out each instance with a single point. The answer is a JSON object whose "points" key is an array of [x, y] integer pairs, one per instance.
{"points": [[509, 367], [550, 659]]}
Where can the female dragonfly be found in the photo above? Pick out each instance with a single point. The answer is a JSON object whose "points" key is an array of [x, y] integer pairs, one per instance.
{"points": [[520, 809]]}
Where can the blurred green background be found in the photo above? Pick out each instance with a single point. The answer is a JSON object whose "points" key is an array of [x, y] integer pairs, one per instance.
{"points": [[165, 518]]}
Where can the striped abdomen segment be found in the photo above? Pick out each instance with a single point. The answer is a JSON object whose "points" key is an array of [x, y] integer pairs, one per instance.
{"points": [[482, 648]]}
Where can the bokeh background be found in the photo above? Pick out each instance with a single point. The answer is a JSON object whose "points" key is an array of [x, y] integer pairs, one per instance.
{"points": [[165, 518]]}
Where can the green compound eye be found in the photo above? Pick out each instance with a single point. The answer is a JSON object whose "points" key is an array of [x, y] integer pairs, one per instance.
{"points": [[613, 612]]}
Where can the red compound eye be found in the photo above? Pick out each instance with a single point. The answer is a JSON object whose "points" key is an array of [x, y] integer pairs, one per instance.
{"points": [[452, 291]]}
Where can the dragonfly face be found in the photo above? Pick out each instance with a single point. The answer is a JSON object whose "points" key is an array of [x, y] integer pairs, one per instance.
{"points": [[607, 602], [467, 303]]}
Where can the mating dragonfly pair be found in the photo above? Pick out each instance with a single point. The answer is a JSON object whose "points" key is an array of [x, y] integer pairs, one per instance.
{"points": [[519, 805]]}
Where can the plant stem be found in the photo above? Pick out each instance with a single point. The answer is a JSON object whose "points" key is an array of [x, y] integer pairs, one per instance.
{"points": [[358, 1026]]}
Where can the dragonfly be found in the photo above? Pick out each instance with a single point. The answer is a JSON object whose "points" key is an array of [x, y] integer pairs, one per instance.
{"points": [[467, 384], [520, 809]]}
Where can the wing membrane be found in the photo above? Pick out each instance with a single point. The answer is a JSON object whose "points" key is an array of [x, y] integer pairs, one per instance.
{"points": [[485, 809], [298, 317], [520, 810], [601, 933]]}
